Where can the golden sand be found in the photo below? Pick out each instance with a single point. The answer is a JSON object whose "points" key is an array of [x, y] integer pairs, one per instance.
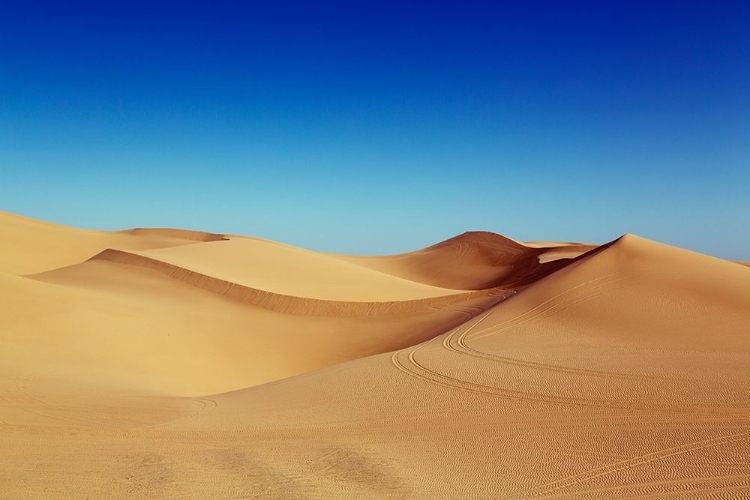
{"points": [[160, 363]]}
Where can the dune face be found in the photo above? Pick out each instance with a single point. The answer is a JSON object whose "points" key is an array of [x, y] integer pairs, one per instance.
{"points": [[475, 261], [181, 364], [31, 246]]}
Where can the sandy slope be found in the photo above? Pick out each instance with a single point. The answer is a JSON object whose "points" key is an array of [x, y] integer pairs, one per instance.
{"points": [[621, 374], [288, 270], [176, 320], [31, 246], [475, 261]]}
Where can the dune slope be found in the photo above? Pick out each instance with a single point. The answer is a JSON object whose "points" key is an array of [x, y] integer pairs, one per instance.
{"points": [[143, 325], [476, 260], [623, 375], [293, 271], [33, 246], [476, 368], [204, 313]]}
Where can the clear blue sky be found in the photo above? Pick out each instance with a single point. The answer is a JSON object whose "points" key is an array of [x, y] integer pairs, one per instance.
{"points": [[384, 126]]}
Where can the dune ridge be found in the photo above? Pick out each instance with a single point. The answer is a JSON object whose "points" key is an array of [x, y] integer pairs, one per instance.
{"points": [[475, 260], [149, 292], [622, 375], [183, 234], [294, 271], [30, 246], [581, 371], [523, 275], [289, 304]]}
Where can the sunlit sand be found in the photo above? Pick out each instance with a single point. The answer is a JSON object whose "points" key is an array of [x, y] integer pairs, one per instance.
{"points": [[163, 363]]}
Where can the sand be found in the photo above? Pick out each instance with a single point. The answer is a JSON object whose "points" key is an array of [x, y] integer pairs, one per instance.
{"points": [[183, 364]]}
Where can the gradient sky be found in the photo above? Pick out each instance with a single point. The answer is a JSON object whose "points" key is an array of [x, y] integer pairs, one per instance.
{"points": [[382, 127]]}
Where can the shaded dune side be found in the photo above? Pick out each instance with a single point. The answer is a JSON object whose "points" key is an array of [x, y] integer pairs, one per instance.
{"points": [[503, 261], [475, 260], [180, 234], [289, 304], [560, 252]]}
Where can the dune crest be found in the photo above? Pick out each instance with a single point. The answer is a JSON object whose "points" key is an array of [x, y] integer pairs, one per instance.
{"points": [[475, 260], [181, 364], [207, 292], [622, 375], [287, 304], [182, 234], [32, 246]]}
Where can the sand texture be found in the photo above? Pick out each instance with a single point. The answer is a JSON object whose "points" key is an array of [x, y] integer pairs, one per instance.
{"points": [[175, 364]]}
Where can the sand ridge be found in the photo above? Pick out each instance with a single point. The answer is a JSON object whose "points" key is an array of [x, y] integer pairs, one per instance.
{"points": [[476, 260], [141, 366], [144, 323], [32, 246]]}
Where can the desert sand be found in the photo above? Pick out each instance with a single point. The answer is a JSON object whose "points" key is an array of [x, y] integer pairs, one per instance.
{"points": [[165, 363]]}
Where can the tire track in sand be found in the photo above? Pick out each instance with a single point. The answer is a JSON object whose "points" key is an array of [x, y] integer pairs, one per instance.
{"points": [[661, 454]]}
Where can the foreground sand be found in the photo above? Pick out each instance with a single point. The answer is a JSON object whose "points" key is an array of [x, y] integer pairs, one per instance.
{"points": [[181, 364]]}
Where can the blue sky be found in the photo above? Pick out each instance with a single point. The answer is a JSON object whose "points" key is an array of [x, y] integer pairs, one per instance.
{"points": [[381, 127]]}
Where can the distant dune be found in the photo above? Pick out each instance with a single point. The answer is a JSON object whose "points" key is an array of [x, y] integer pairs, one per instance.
{"points": [[475, 261], [165, 363]]}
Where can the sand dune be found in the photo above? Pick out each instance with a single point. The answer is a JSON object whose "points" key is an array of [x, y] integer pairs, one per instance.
{"points": [[32, 246], [287, 270], [475, 261], [146, 331], [141, 322], [170, 364]]}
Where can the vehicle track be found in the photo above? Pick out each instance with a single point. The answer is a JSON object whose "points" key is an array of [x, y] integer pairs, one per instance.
{"points": [[552, 305], [699, 487], [411, 366], [443, 380], [588, 475]]}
